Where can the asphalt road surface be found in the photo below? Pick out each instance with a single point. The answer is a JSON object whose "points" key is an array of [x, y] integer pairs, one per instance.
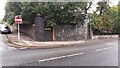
{"points": [[105, 54], [94, 54], [3, 47]]}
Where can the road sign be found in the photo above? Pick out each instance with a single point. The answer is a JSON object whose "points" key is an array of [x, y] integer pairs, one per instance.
{"points": [[18, 19]]}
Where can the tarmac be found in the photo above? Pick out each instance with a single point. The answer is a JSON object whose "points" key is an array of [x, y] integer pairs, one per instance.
{"points": [[26, 42]]}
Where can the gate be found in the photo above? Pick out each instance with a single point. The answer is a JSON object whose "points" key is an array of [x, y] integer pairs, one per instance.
{"points": [[48, 34]]}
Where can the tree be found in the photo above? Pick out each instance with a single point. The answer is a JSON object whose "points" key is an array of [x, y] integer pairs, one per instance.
{"points": [[102, 20], [53, 12], [116, 19], [11, 10]]}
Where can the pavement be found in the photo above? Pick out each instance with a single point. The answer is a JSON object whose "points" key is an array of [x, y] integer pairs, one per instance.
{"points": [[26, 42]]}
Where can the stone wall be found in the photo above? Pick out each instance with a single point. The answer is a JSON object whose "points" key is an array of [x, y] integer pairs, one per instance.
{"points": [[69, 33], [62, 32], [28, 29], [39, 28]]}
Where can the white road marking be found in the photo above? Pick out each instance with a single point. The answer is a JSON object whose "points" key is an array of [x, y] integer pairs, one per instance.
{"points": [[23, 48], [74, 54], [110, 43], [99, 49], [11, 48], [107, 48], [60, 57], [103, 49]]}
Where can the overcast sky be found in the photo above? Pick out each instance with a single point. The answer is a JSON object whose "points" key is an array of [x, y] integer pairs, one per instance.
{"points": [[2, 5], [2, 11]]}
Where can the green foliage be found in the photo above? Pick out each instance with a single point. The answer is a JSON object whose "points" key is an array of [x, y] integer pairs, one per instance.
{"points": [[54, 13], [105, 18], [12, 9], [116, 19]]}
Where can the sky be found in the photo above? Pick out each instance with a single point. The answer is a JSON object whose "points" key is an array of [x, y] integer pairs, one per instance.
{"points": [[2, 11], [3, 2]]}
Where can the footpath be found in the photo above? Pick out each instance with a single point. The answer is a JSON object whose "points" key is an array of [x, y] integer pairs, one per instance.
{"points": [[27, 43]]}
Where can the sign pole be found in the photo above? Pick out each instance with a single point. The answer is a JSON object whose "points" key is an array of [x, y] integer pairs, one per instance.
{"points": [[18, 20], [18, 31]]}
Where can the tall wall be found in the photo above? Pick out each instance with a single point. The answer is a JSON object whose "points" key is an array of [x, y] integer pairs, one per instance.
{"points": [[39, 28], [69, 33], [62, 32]]}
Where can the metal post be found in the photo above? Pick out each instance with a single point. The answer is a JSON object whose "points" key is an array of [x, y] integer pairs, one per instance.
{"points": [[18, 32]]}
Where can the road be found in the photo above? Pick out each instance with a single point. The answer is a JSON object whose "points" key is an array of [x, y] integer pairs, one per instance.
{"points": [[3, 47], [105, 54], [94, 54]]}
